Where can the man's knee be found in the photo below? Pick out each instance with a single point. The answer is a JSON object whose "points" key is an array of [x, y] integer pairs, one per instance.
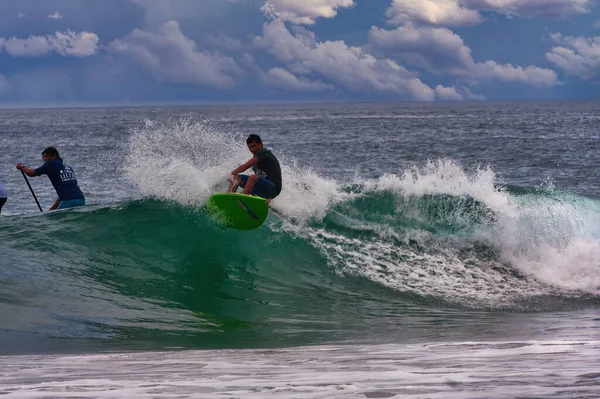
{"points": [[253, 178]]}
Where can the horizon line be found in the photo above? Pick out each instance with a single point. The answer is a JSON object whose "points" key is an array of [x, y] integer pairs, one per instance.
{"points": [[18, 106]]}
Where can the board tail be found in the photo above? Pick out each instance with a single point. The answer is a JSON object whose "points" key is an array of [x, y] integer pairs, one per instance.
{"points": [[239, 211]]}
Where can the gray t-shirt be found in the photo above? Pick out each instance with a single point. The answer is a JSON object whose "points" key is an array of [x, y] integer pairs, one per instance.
{"points": [[268, 167], [3, 192]]}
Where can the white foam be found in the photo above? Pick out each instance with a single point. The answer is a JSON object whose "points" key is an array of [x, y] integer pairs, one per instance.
{"points": [[449, 370], [446, 176], [556, 239], [306, 196], [552, 242]]}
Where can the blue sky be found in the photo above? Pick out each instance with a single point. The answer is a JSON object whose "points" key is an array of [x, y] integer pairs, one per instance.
{"points": [[73, 52]]}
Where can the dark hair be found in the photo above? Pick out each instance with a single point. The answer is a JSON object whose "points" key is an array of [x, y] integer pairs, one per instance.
{"points": [[253, 138], [51, 151]]}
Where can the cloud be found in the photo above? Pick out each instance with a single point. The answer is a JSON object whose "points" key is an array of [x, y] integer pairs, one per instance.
{"points": [[171, 57], [349, 68], [282, 79], [454, 13], [223, 42], [304, 12], [135, 51], [469, 95], [448, 93], [578, 56], [454, 93], [82, 44], [532, 8], [109, 19], [596, 24], [442, 52], [530, 75], [434, 12]]}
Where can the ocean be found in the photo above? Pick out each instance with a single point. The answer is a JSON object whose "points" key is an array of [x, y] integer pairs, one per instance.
{"points": [[417, 250]]}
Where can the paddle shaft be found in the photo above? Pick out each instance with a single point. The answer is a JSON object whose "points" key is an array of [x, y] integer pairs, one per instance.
{"points": [[31, 189]]}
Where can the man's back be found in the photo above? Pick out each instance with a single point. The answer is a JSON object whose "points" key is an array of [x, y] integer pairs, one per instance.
{"points": [[63, 179], [268, 167]]}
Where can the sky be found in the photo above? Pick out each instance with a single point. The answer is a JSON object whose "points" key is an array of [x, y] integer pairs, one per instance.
{"points": [[121, 52]]}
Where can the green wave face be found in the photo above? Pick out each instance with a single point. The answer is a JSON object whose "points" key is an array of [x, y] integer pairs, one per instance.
{"points": [[152, 271], [157, 273]]}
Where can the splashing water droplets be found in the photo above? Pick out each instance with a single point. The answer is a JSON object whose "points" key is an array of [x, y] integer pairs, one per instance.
{"points": [[181, 160]]}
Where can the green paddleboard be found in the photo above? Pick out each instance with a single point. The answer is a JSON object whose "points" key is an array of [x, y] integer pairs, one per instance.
{"points": [[238, 211]]}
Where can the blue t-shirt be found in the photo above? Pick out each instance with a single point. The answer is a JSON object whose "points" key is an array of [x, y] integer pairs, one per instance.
{"points": [[3, 193], [63, 179]]}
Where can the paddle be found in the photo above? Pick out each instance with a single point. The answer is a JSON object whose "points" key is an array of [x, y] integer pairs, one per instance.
{"points": [[31, 189]]}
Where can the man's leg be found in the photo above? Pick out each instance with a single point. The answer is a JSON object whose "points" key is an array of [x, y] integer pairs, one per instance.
{"points": [[252, 179], [2, 202], [234, 183]]}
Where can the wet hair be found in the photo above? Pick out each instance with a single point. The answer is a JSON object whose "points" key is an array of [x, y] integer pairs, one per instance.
{"points": [[51, 151], [253, 138]]}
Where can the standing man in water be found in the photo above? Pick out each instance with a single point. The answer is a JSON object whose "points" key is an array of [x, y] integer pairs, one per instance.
{"points": [[3, 196], [62, 177], [266, 182]]}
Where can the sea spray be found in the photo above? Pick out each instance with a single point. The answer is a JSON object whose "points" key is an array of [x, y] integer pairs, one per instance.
{"points": [[181, 160], [185, 160]]}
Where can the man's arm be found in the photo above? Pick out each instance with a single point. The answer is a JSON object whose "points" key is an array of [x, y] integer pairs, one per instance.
{"points": [[253, 161], [55, 205], [28, 171]]}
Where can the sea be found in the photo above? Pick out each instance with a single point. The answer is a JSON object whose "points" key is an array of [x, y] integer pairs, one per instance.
{"points": [[417, 250]]}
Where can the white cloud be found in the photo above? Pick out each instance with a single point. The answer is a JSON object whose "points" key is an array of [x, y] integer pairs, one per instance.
{"points": [[530, 75], [443, 52], [466, 12], [448, 93], [348, 68], [172, 57], [224, 42], [282, 79], [434, 12], [469, 95], [578, 56], [56, 15], [304, 11], [21, 15], [82, 44], [532, 8]]}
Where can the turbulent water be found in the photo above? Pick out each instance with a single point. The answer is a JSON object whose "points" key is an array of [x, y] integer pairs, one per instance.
{"points": [[416, 250]]}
